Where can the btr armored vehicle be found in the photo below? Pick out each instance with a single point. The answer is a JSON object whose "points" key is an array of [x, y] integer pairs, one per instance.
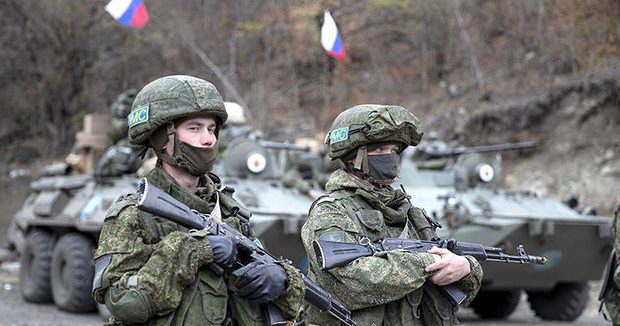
{"points": [[57, 228], [459, 187]]}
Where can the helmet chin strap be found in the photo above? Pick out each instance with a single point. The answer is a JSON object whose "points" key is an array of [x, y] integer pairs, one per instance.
{"points": [[361, 160], [171, 132], [159, 143]]}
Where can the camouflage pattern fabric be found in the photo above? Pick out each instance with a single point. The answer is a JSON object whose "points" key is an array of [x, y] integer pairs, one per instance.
{"points": [[612, 297], [150, 270], [387, 288]]}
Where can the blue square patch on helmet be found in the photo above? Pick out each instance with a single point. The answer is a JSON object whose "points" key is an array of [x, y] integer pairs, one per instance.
{"points": [[339, 134], [139, 116]]}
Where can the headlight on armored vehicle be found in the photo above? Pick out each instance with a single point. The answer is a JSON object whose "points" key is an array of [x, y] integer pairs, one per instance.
{"points": [[485, 172], [256, 163]]}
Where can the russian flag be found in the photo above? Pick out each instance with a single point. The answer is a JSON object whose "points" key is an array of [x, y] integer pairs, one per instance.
{"points": [[130, 13], [330, 38]]}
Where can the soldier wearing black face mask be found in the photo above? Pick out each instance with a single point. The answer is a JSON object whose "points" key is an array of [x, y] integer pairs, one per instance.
{"points": [[386, 288]]}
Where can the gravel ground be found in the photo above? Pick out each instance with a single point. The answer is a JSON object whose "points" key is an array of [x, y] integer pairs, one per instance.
{"points": [[16, 312]]}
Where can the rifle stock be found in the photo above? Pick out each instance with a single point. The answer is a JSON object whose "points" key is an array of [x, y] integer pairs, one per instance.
{"points": [[157, 202]]}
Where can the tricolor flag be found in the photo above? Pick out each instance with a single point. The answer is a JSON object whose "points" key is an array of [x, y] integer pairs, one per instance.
{"points": [[130, 13], [331, 40]]}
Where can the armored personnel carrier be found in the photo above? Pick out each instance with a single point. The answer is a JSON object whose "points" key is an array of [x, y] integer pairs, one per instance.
{"points": [[459, 187], [55, 233], [57, 228], [254, 169]]}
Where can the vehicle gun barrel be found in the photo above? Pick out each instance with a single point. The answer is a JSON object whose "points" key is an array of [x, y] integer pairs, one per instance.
{"points": [[283, 145], [491, 148]]}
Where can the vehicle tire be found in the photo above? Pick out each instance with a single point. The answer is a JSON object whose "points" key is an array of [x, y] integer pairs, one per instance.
{"points": [[495, 304], [565, 302], [36, 259], [72, 273]]}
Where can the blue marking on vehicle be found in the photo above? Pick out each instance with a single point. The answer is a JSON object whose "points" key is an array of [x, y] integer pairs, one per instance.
{"points": [[92, 205], [554, 257]]}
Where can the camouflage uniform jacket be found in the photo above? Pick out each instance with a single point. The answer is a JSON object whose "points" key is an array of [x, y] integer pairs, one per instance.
{"points": [[386, 288], [152, 271], [611, 293]]}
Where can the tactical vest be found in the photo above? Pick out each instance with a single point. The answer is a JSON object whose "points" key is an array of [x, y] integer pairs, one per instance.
{"points": [[206, 301], [430, 309]]}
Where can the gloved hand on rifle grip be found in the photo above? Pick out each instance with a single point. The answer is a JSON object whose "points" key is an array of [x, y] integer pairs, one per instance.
{"points": [[259, 282], [224, 250]]}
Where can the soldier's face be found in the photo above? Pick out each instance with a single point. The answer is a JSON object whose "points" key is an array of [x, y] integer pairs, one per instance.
{"points": [[385, 149], [198, 131]]}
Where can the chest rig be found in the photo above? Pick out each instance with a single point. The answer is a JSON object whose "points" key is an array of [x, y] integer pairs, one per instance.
{"points": [[371, 222]]}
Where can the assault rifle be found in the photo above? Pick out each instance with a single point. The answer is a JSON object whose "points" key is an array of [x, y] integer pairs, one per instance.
{"points": [[157, 202], [331, 254]]}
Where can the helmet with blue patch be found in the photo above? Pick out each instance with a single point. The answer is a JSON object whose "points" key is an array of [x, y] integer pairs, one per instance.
{"points": [[169, 98], [369, 124]]}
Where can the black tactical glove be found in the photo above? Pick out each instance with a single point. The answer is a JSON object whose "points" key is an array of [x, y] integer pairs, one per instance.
{"points": [[259, 282], [224, 250]]}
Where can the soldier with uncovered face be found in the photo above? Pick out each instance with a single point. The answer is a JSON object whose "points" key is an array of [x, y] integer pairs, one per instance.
{"points": [[386, 288], [149, 270]]}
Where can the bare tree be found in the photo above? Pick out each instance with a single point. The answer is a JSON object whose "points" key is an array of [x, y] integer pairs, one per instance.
{"points": [[469, 44]]}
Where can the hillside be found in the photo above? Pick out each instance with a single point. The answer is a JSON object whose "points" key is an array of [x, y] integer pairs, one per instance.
{"points": [[575, 123], [475, 71]]}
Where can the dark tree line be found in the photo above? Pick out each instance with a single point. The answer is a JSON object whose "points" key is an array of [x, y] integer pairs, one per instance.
{"points": [[63, 59]]}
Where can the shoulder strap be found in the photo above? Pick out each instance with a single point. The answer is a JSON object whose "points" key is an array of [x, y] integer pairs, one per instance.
{"points": [[228, 206], [120, 203], [421, 222], [339, 196]]}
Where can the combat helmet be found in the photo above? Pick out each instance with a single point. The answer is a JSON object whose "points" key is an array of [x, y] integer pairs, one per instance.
{"points": [[122, 105], [169, 98], [369, 124]]}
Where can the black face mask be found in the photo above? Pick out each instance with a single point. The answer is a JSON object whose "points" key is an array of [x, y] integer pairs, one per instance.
{"points": [[384, 168]]}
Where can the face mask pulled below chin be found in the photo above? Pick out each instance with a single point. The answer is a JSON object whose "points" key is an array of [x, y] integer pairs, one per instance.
{"points": [[383, 168], [196, 160]]}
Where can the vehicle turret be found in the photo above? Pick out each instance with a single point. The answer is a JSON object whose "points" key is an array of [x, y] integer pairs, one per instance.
{"points": [[467, 166]]}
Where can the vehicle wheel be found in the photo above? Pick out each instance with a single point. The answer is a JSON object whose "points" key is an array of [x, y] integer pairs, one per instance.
{"points": [[36, 259], [72, 273], [495, 304], [565, 302]]}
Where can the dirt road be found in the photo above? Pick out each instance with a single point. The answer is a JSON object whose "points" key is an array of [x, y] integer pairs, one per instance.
{"points": [[15, 312]]}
